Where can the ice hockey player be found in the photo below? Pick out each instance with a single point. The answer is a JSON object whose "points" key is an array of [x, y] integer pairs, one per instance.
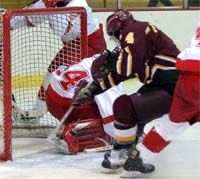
{"points": [[64, 84], [184, 112], [149, 54]]}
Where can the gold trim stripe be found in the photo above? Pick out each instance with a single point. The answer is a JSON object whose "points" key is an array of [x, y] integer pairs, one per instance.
{"points": [[125, 139]]}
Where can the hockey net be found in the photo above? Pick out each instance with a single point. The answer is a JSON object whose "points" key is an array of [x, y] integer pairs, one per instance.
{"points": [[26, 53]]}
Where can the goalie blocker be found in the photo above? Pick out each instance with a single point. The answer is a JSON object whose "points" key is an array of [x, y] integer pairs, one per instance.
{"points": [[85, 134]]}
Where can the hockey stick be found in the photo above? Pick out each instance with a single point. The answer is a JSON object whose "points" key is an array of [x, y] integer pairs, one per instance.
{"points": [[99, 149], [57, 131]]}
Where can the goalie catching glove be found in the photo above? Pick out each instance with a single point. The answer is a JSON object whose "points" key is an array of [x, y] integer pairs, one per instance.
{"points": [[84, 134]]}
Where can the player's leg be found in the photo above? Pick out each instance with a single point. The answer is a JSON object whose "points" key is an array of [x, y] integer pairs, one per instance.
{"points": [[141, 156], [131, 113], [84, 134], [83, 128], [184, 111]]}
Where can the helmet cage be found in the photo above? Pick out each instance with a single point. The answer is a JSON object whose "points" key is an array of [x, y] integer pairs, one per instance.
{"points": [[117, 21]]}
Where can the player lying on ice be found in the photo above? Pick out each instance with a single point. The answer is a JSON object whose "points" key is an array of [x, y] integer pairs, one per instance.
{"points": [[96, 123], [149, 54], [64, 26]]}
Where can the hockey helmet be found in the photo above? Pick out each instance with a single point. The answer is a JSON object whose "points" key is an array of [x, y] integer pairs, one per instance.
{"points": [[54, 3], [117, 21]]}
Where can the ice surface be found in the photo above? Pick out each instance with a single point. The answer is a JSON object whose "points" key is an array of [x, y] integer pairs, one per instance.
{"points": [[36, 158]]}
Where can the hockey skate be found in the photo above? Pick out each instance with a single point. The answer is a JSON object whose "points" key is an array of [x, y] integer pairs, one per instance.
{"points": [[134, 166], [30, 116], [115, 159], [18, 115]]}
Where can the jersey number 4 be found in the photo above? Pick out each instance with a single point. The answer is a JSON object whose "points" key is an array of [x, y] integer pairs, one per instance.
{"points": [[72, 78]]}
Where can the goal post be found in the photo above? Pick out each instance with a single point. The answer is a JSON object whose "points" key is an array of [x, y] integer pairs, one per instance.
{"points": [[26, 52]]}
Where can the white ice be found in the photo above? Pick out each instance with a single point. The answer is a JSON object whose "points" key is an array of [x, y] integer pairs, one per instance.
{"points": [[36, 158]]}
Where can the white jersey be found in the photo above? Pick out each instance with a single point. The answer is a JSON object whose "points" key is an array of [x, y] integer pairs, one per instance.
{"points": [[63, 25], [64, 80], [105, 102]]}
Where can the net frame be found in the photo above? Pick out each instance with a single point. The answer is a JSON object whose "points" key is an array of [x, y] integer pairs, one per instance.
{"points": [[6, 154]]}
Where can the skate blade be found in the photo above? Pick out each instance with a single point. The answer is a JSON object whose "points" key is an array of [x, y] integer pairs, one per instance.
{"points": [[110, 171], [133, 174]]}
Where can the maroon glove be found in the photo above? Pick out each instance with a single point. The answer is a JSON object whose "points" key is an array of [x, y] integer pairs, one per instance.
{"points": [[84, 93], [104, 64], [99, 67]]}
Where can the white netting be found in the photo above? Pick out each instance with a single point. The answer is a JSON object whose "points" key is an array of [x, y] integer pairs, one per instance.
{"points": [[32, 50]]}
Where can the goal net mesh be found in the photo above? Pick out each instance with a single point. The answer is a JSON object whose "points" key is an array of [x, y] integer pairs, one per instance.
{"points": [[26, 52]]}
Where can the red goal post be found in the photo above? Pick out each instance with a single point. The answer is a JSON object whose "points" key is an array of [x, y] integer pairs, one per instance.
{"points": [[26, 55]]}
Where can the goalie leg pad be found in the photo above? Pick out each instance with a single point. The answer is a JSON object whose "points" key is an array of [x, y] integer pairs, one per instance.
{"points": [[85, 134]]}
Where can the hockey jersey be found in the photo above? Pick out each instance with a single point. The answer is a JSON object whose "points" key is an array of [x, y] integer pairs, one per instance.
{"points": [[189, 59], [65, 79]]}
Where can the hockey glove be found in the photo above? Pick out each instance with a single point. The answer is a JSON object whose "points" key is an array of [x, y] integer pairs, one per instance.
{"points": [[84, 93], [104, 64]]}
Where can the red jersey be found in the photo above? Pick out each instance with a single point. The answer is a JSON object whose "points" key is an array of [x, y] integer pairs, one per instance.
{"points": [[189, 59]]}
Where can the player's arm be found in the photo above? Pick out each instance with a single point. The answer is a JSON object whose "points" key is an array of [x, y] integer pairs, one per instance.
{"points": [[85, 92], [105, 64], [100, 69], [64, 25], [29, 21], [133, 54]]}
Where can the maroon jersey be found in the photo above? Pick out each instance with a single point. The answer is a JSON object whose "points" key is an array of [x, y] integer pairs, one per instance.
{"points": [[144, 50]]}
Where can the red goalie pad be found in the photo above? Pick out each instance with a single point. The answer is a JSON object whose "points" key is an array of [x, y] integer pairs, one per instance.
{"points": [[85, 134]]}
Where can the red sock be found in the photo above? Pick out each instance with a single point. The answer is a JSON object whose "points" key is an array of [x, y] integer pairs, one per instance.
{"points": [[154, 142]]}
